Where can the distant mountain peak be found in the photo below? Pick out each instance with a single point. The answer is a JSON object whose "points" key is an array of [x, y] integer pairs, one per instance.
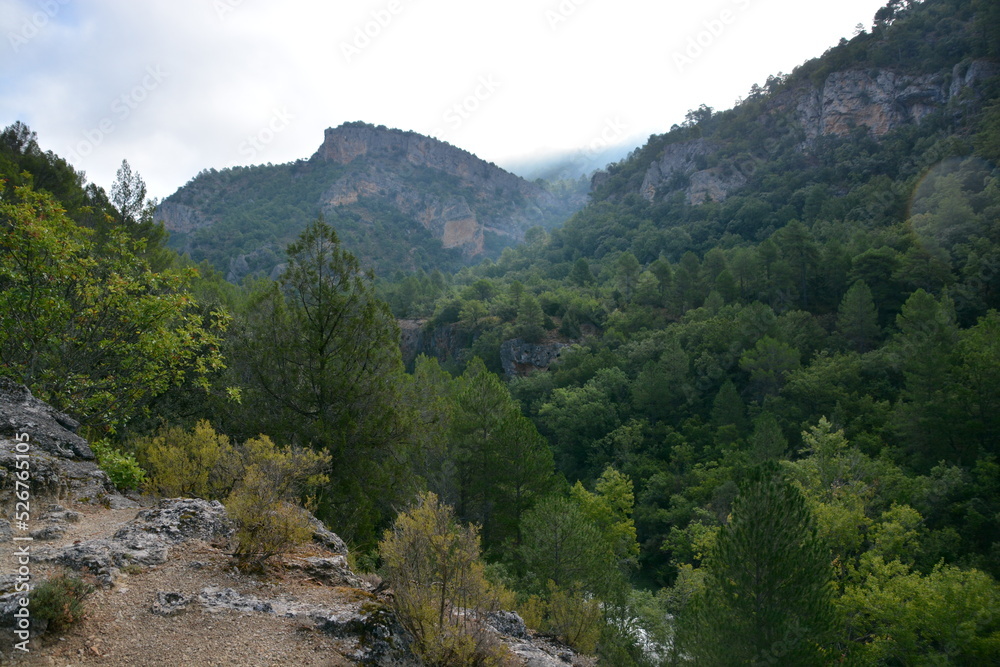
{"points": [[398, 199]]}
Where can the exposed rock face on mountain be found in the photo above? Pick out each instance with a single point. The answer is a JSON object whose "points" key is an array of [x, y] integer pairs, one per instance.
{"points": [[399, 200], [442, 343], [519, 357], [684, 166], [880, 100], [486, 199]]}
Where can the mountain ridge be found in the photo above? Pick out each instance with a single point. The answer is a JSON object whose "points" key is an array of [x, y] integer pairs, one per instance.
{"points": [[399, 199]]}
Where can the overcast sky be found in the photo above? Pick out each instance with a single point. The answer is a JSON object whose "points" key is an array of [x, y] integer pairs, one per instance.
{"points": [[177, 86]]}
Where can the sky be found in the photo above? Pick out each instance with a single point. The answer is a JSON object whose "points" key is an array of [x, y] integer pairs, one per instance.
{"points": [[179, 86]]}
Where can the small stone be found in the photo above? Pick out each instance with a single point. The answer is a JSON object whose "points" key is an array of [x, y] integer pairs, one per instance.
{"points": [[51, 532], [169, 604]]}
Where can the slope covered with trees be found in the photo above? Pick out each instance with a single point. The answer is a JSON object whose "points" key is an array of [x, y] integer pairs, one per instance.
{"points": [[832, 309], [772, 436], [398, 200]]}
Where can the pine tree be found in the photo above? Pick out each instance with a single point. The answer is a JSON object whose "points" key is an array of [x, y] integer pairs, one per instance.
{"points": [[627, 268], [767, 442], [503, 464], [857, 318], [768, 589], [728, 408], [318, 356]]}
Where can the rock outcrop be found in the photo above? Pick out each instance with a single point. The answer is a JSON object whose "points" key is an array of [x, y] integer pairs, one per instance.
{"points": [[519, 357], [147, 539], [484, 199], [48, 429], [61, 464], [880, 100], [444, 342], [393, 196]]}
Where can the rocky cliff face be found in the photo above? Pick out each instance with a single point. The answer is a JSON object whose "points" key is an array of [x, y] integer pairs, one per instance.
{"points": [[444, 343], [684, 166], [399, 200], [519, 357], [485, 198], [880, 100]]}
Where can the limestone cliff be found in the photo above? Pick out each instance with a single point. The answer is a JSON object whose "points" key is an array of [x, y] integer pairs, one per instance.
{"points": [[399, 200], [880, 100], [483, 199]]}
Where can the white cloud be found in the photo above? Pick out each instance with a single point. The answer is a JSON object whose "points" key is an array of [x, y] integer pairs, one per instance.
{"points": [[227, 67]]}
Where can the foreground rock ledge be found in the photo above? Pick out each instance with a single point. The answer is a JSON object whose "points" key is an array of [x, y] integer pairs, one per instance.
{"points": [[313, 587]]}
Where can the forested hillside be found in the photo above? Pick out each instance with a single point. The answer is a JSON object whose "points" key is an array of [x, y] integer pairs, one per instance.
{"points": [[809, 278], [399, 201], [771, 433]]}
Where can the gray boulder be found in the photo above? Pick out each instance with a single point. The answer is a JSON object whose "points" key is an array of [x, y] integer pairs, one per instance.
{"points": [[49, 429]]}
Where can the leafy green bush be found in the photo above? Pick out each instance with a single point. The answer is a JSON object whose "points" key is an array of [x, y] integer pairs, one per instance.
{"points": [[122, 468], [59, 601], [440, 586], [196, 463], [262, 503]]}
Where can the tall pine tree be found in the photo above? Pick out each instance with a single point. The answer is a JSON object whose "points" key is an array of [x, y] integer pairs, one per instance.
{"points": [[768, 589]]}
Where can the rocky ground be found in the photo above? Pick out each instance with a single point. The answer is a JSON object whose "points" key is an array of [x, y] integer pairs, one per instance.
{"points": [[166, 591], [194, 608]]}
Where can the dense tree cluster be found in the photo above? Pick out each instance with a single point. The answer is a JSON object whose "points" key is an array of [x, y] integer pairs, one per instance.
{"points": [[772, 437]]}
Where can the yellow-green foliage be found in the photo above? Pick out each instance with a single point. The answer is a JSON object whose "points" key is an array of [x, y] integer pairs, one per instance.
{"points": [[260, 483], [266, 524], [441, 591], [196, 463], [262, 504], [571, 614], [574, 616], [532, 611], [610, 508], [898, 616]]}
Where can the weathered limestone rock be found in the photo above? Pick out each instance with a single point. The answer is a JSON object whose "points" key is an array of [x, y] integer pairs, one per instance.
{"points": [[880, 100], [146, 539], [331, 571], [324, 536], [443, 342], [49, 430], [518, 357], [381, 638], [170, 604], [61, 462], [509, 624]]}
